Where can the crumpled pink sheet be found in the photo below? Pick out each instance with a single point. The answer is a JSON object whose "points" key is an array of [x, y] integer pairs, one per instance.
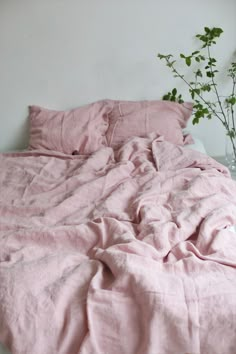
{"points": [[117, 253]]}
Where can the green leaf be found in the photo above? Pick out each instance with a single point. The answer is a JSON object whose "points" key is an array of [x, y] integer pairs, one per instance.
{"points": [[205, 111], [195, 120], [166, 97], [166, 57], [188, 61], [231, 100], [231, 133], [198, 73], [174, 92], [206, 87], [209, 74], [212, 60]]}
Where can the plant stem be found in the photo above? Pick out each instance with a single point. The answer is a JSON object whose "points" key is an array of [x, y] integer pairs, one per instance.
{"points": [[199, 95], [217, 114], [215, 86], [232, 117], [227, 123], [232, 108]]}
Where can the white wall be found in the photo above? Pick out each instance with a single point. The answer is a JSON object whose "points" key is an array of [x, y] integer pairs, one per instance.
{"points": [[64, 53]]}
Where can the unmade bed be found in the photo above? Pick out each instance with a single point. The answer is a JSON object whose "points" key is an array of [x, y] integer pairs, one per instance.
{"points": [[115, 236]]}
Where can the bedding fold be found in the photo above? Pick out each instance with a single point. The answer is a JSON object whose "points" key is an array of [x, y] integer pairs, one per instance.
{"points": [[123, 252]]}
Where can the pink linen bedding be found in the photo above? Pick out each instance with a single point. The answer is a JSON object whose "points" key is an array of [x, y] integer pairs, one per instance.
{"points": [[139, 118], [123, 254], [80, 129]]}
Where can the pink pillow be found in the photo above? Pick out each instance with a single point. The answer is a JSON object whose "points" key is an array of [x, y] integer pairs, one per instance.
{"points": [[130, 118], [81, 129]]}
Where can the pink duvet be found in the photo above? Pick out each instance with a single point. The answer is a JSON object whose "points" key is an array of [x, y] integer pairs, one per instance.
{"points": [[124, 254]]}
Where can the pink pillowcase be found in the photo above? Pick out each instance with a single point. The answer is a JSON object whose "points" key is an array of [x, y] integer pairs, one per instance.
{"points": [[81, 129], [130, 118]]}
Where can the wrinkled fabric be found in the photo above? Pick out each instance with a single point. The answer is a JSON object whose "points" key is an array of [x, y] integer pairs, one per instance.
{"points": [[125, 252], [139, 118], [81, 129]]}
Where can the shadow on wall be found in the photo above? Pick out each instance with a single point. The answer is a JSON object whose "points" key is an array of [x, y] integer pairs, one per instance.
{"points": [[21, 137]]}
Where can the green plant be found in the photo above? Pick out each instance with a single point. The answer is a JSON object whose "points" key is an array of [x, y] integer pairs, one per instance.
{"points": [[204, 82]]}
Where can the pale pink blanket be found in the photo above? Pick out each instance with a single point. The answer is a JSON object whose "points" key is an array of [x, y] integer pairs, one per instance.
{"points": [[117, 254]]}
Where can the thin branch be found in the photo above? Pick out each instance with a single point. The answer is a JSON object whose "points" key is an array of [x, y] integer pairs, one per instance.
{"points": [[232, 107], [215, 86], [200, 96]]}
